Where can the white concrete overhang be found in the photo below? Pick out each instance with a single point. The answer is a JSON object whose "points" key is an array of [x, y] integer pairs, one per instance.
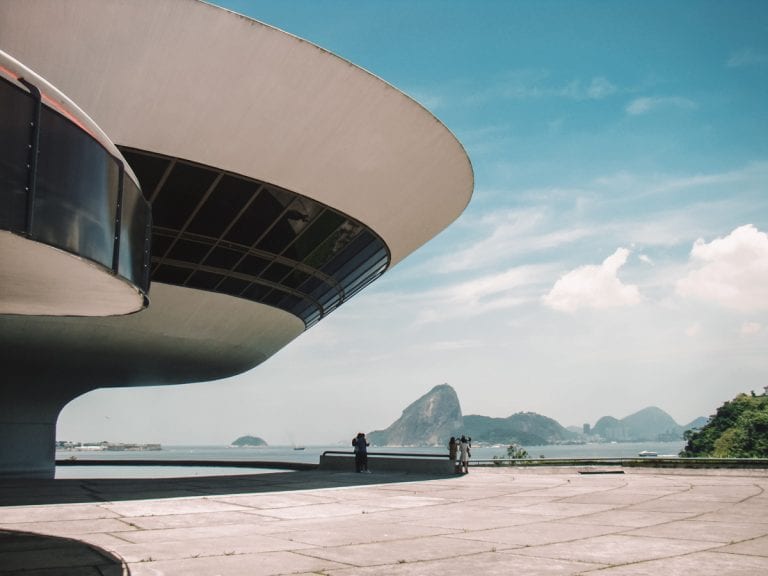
{"points": [[185, 336], [191, 80], [37, 279]]}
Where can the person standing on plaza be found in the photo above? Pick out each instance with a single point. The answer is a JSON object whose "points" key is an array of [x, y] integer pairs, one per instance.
{"points": [[361, 453], [464, 455], [453, 448]]}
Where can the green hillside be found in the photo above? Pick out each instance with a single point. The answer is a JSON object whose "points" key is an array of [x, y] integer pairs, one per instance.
{"points": [[650, 423], [526, 428], [739, 429]]}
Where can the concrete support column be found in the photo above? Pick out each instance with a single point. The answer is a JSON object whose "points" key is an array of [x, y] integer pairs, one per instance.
{"points": [[28, 431], [27, 449]]}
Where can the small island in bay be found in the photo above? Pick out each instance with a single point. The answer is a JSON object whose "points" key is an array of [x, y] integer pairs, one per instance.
{"points": [[249, 442]]}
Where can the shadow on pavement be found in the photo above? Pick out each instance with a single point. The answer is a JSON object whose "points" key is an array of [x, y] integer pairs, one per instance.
{"points": [[31, 554], [62, 491]]}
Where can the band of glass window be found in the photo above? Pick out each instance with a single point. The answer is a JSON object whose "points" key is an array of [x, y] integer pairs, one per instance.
{"points": [[61, 187], [222, 232]]}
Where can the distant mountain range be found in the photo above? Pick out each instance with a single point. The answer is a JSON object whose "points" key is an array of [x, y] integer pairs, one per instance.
{"points": [[435, 417], [650, 423]]}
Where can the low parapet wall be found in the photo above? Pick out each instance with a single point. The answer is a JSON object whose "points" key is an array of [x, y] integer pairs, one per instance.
{"points": [[652, 462], [436, 464]]}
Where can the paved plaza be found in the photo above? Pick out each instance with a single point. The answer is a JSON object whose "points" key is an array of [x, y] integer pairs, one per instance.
{"points": [[544, 521]]}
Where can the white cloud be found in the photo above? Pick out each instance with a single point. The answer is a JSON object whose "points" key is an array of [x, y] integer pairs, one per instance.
{"points": [[538, 84], [597, 89], [747, 57], [645, 258], [493, 292], [451, 345], [594, 287], [751, 328], [600, 88], [648, 104], [731, 272], [693, 330], [512, 233]]}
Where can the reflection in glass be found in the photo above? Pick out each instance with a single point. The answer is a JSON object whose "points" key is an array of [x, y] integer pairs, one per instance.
{"points": [[252, 240], [74, 202]]}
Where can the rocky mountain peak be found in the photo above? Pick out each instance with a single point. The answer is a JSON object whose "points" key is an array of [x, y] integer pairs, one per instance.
{"points": [[429, 421]]}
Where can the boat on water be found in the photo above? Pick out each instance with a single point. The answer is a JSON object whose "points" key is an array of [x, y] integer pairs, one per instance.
{"points": [[298, 447], [647, 454]]}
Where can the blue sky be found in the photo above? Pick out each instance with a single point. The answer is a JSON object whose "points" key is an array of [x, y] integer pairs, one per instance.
{"points": [[614, 254]]}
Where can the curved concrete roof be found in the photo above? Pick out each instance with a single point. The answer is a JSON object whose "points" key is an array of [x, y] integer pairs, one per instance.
{"points": [[231, 92]]}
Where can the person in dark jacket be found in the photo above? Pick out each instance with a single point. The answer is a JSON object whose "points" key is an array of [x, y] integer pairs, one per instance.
{"points": [[360, 442]]}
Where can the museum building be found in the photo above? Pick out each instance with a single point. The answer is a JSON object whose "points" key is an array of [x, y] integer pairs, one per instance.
{"points": [[183, 191]]}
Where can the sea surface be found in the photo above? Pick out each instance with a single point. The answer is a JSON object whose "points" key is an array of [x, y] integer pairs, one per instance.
{"points": [[310, 454]]}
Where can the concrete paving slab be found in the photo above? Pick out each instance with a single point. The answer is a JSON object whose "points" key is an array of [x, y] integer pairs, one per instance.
{"points": [[617, 549], [399, 551], [358, 531], [719, 493], [538, 533], [631, 518], [267, 564], [321, 511], [562, 509], [225, 545], [518, 501], [191, 520], [396, 501], [676, 503], [697, 564], [71, 527], [460, 516], [755, 547], [278, 500], [190, 534], [725, 532], [12, 514], [174, 506], [487, 564], [623, 496]]}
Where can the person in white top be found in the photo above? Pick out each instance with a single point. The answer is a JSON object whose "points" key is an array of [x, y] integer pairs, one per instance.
{"points": [[464, 455]]}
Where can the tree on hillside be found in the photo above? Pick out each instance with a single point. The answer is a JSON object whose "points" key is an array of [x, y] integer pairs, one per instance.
{"points": [[739, 429]]}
